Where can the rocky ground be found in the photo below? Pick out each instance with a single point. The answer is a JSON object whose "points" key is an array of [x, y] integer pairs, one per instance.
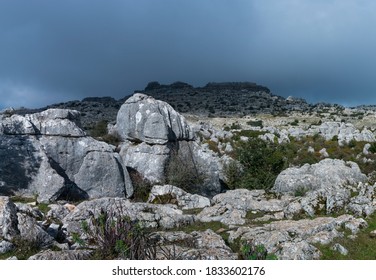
{"points": [[164, 177]]}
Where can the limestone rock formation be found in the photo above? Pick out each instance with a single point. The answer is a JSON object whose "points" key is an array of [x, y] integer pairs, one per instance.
{"points": [[206, 245], [52, 157], [143, 119], [150, 215], [295, 240], [326, 174], [156, 137], [174, 195]]}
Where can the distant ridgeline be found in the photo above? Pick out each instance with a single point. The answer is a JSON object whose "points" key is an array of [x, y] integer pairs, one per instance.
{"points": [[213, 100], [223, 99]]}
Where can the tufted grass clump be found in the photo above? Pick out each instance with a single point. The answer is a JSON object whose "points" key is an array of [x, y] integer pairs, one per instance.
{"points": [[118, 237]]}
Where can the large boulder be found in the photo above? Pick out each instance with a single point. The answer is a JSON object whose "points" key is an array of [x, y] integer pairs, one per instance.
{"points": [[326, 174], [143, 119], [53, 158], [149, 160], [158, 144]]}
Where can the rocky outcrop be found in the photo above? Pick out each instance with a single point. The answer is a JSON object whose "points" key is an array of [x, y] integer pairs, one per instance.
{"points": [[62, 255], [8, 218], [53, 158], [326, 174], [173, 195], [156, 137], [149, 215], [295, 240], [143, 119], [206, 245]]}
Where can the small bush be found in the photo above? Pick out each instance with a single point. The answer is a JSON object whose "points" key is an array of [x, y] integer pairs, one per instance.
{"points": [[262, 163], [372, 148], [117, 236], [182, 171], [141, 186], [255, 123], [250, 251], [233, 171], [301, 191]]}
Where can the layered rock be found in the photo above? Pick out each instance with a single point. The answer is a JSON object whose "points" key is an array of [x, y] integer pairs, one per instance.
{"points": [[143, 119], [197, 245], [149, 215], [173, 195], [328, 173], [52, 157], [295, 240], [155, 137]]}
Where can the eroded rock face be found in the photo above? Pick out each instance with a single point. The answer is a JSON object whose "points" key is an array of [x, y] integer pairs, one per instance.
{"points": [[156, 137], [143, 119], [326, 174], [8, 218], [197, 245], [149, 215], [149, 160], [295, 240], [53, 157], [174, 195], [62, 255]]}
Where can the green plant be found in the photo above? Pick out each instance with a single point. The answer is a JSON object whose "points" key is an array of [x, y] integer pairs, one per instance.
{"points": [[262, 162], [233, 171], [372, 148], [183, 171], [117, 236], [250, 251], [141, 186], [301, 191], [352, 143], [255, 123], [235, 126]]}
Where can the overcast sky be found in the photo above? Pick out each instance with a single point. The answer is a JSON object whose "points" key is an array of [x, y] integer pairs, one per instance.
{"points": [[54, 51]]}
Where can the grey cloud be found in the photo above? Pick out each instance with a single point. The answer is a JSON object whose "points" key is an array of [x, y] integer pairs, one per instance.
{"points": [[51, 51]]}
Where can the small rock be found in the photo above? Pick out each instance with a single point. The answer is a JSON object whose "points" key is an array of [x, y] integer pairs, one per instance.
{"points": [[5, 247], [339, 248]]}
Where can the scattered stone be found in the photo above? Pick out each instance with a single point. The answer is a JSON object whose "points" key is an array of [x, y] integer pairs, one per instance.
{"points": [[5, 246], [62, 255], [8, 218], [339, 248], [170, 194], [197, 245], [149, 215]]}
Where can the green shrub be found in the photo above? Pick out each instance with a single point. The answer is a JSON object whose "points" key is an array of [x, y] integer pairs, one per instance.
{"points": [[182, 171], [262, 163], [117, 236], [141, 186], [250, 251], [233, 171], [99, 129], [255, 123], [372, 148]]}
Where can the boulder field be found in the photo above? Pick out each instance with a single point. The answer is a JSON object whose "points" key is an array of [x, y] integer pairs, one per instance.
{"points": [[47, 156]]}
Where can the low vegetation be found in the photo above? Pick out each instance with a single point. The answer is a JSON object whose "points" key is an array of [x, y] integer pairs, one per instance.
{"points": [[261, 161], [362, 247]]}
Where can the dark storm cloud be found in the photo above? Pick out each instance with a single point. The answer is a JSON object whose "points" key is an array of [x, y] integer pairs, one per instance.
{"points": [[52, 51]]}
